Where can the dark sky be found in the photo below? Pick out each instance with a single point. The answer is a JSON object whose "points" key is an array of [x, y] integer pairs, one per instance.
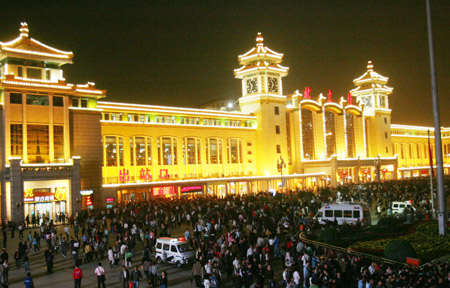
{"points": [[184, 54]]}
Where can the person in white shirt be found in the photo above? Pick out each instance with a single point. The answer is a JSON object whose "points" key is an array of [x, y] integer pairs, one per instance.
{"points": [[297, 278], [100, 273]]}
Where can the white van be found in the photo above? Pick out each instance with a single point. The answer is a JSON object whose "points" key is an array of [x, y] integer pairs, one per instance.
{"points": [[399, 206], [344, 212], [174, 250]]}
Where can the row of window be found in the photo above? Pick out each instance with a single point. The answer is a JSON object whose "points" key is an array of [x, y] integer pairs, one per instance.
{"points": [[38, 143], [43, 100], [407, 151], [330, 134], [33, 73], [164, 119], [140, 150]]}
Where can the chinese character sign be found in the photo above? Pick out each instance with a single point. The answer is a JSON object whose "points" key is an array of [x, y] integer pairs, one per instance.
{"points": [[330, 95], [124, 175], [164, 174], [350, 99], [307, 93], [45, 194], [144, 174]]}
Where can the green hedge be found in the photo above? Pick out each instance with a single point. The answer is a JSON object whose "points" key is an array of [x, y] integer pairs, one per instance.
{"points": [[399, 250]]}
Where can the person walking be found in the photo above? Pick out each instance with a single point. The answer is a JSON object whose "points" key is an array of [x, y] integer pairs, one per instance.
{"points": [[124, 277], [197, 271], [29, 281], [77, 276], [164, 280], [136, 276], [101, 275], [49, 255], [154, 274]]}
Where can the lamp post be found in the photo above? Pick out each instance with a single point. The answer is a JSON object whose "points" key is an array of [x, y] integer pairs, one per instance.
{"points": [[377, 171], [280, 166], [442, 215]]}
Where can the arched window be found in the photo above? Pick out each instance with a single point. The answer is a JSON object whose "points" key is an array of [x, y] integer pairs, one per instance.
{"points": [[113, 151], [214, 151], [234, 150], [167, 151], [191, 151], [330, 133], [350, 128], [308, 134], [140, 151]]}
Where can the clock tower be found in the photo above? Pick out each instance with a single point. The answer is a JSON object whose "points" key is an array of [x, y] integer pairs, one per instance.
{"points": [[262, 95], [372, 92]]}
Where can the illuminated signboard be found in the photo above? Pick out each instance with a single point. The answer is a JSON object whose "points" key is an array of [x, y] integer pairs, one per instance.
{"points": [[86, 192], [88, 200], [161, 191], [189, 189], [110, 200], [45, 195]]}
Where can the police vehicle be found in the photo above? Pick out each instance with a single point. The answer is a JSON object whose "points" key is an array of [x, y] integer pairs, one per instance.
{"points": [[174, 250]]}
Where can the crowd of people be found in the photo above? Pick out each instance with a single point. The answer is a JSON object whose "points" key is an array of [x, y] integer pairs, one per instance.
{"points": [[249, 241]]}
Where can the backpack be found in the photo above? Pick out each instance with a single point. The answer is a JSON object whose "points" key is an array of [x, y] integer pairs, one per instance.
{"points": [[77, 273]]}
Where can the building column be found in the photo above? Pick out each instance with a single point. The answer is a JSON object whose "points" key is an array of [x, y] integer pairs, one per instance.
{"points": [[334, 167], [17, 205], [75, 186]]}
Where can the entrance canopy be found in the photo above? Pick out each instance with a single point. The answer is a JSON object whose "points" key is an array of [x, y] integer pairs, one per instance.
{"points": [[211, 181]]}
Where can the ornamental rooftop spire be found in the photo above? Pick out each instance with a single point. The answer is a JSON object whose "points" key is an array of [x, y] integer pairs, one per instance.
{"points": [[25, 47], [23, 29], [370, 80], [260, 57]]}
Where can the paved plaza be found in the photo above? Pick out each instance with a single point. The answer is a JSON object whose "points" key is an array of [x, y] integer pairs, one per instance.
{"points": [[63, 268]]}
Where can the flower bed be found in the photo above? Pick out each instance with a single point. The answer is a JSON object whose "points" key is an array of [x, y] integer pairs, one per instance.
{"points": [[425, 239]]}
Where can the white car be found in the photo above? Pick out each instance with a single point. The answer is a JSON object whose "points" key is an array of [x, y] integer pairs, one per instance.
{"points": [[174, 250], [399, 206]]}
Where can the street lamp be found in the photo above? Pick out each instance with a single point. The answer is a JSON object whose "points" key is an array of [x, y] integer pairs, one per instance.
{"points": [[378, 170], [280, 166]]}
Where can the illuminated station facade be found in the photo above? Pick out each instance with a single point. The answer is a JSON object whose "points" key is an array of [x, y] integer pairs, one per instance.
{"points": [[63, 150]]}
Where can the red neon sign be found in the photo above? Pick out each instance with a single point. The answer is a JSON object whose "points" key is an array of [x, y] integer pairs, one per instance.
{"points": [[88, 200], [349, 99], [165, 190], [307, 93], [330, 95], [191, 189], [110, 199]]}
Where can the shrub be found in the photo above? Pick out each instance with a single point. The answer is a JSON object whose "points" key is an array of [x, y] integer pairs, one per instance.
{"points": [[329, 235], [398, 250], [389, 221]]}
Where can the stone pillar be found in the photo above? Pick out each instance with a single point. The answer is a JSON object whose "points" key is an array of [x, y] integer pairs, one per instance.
{"points": [[334, 168], [17, 208], [75, 187]]}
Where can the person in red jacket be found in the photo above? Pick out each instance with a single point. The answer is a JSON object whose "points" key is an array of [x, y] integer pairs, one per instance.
{"points": [[77, 276]]}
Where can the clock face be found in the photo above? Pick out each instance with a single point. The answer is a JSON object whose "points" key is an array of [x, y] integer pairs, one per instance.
{"points": [[272, 84], [367, 101], [382, 101], [252, 85]]}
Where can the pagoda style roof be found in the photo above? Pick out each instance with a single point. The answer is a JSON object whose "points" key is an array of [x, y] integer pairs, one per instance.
{"points": [[261, 66], [24, 47], [371, 80], [261, 57], [260, 52], [60, 86]]}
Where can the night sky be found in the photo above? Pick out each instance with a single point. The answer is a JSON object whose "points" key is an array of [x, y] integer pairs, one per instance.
{"points": [[184, 55]]}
